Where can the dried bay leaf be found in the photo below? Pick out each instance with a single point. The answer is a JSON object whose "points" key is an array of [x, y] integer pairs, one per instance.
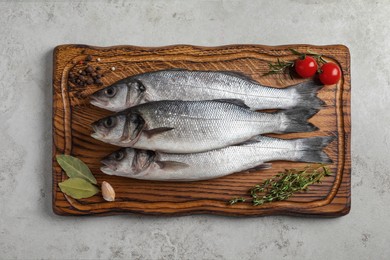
{"points": [[75, 168], [78, 188]]}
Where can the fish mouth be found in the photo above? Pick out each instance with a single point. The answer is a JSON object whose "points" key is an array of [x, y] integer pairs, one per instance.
{"points": [[105, 161], [107, 170], [97, 102], [96, 134], [108, 166]]}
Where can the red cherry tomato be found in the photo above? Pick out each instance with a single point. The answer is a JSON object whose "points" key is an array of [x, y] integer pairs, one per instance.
{"points": [[306, 67], [330, 73]]}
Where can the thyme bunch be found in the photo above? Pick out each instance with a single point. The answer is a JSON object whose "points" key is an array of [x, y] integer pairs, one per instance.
{"points": [[283, 185]]}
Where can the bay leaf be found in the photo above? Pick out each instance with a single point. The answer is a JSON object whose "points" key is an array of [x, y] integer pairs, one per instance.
{"points": [[78, 188], [75, 168]]}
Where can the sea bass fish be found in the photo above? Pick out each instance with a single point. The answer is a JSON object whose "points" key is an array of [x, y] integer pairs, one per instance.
{"points": [[203, 85], [195, 126], [149, 165]]}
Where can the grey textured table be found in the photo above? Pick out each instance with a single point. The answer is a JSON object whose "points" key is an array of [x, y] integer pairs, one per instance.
{"points": [[29, 30]]}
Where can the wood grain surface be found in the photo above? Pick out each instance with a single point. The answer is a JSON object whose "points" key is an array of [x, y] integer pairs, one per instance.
{"points": [[72, 116]]}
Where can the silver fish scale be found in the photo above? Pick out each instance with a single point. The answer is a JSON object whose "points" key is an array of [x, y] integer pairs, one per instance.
{"points": [[196, 85], [201, 126], [217, 163]]}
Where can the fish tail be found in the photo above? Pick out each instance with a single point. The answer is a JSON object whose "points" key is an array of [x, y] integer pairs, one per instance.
{"points": [[299, 150], [306, 94], [310, 149], [295, 120]]}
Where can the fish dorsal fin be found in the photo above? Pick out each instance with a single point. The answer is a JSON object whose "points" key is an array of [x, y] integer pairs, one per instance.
{"points": [[156, 131], [239, 75], [260, 167], [172, 165], [237, 102]]}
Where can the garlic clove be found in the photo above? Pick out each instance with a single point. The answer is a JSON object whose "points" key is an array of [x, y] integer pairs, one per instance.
{"points": [[108, 191]]}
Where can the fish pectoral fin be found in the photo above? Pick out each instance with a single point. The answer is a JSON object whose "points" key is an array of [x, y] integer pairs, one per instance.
{"points": [[262, 166], [152, 132], [172, 165], [237, 102]]}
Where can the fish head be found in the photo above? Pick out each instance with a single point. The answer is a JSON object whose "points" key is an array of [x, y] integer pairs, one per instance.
{"points": [[123, 129], [127, 162], [112, 98], [120, 95], [109, 129]]}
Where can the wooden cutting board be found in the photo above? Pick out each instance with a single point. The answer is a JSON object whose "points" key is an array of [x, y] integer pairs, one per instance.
{"points": [[72, 116]]}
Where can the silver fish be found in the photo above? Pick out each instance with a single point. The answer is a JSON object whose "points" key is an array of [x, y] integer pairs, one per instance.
{"points": [[203, 85], [195, 126], [149, 165]]}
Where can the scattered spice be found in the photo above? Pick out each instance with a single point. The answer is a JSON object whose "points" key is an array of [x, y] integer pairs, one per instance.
{"points": [[98, 81], [284, 185], [89, 69], [88, 75], [89, 81]]}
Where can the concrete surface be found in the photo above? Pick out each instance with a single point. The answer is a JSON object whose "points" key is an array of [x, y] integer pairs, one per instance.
{"points": [[29, 30]]}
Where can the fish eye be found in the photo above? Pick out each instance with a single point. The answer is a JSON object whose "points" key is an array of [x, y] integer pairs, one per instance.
{"points": [[110, 92], [119, 156], [109, 122]]}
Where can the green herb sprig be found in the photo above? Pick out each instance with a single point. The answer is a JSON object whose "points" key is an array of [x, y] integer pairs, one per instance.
{"points": [[236, 200], [280, 67], [284, 185], [283, 67]]}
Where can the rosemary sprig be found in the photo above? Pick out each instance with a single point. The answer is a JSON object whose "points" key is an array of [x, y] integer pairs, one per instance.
{"points": [[280, 67], [318, 57], [284, 185], [302, 55]]}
